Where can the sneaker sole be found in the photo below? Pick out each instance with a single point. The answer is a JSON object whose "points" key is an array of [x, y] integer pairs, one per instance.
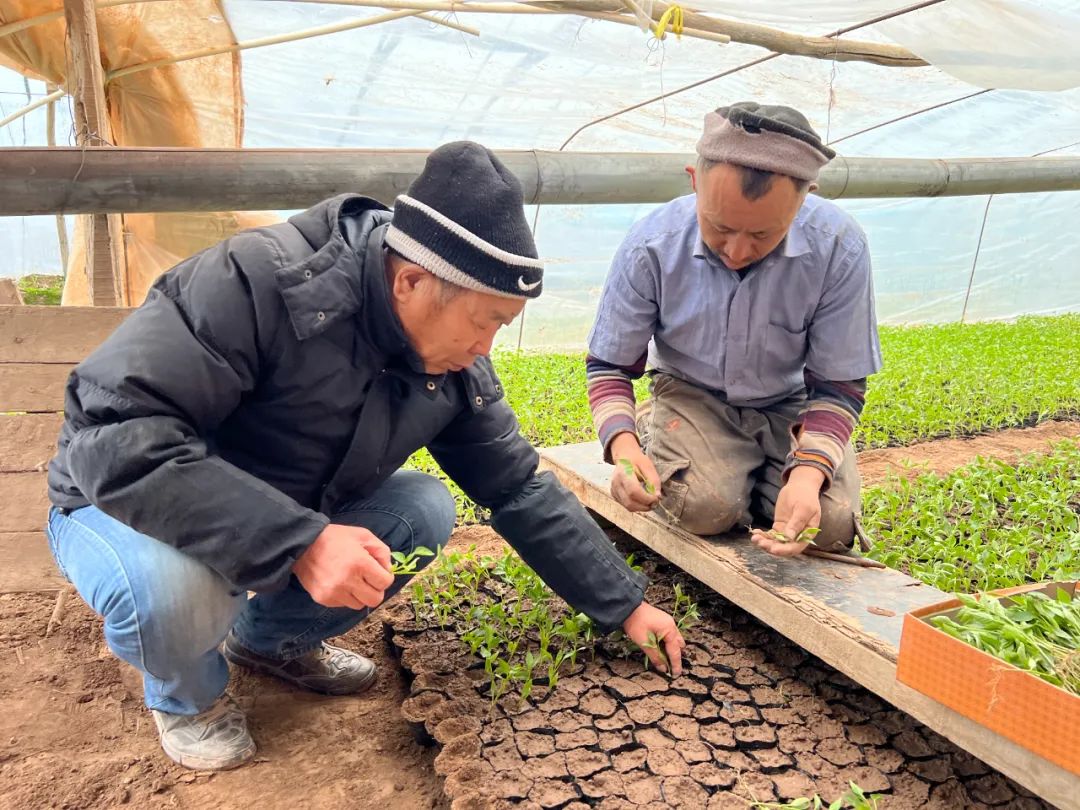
{"points": [[197, 763]]}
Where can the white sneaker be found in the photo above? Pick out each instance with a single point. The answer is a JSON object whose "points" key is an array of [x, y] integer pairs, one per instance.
{"points": [[214, 740]]}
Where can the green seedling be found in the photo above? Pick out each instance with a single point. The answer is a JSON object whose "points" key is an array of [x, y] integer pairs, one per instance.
{"points": [[417, 600], [406, 564], [805, 536], [632, 471], [504, 614], [854, 799], [652, 642], [685, 612]]}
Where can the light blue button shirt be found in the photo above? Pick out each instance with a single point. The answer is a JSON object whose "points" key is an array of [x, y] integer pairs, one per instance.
{"points": [[807, 305]]}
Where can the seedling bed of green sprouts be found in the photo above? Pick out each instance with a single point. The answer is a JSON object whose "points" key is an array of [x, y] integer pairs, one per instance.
{"points": [[987, 525], [753, 721]]}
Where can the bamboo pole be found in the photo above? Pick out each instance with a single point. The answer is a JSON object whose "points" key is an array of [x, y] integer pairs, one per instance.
{"points": [[695, 33], [37, 180], [695, 24], [263, 42], [41, 19], [772, 39], [56, 95], [456, 6], [456, 26], [50, 139]]}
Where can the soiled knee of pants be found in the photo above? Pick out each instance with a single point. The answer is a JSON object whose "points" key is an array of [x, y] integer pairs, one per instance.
{"points": [[837, 526], [710, 513]]}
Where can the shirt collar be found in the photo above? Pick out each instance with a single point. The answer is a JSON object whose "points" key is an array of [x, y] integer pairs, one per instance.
{"points": [[796, 243]]}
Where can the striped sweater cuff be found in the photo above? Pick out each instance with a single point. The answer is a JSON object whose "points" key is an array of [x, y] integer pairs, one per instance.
{"points": [[611, 398], [822, 431]]}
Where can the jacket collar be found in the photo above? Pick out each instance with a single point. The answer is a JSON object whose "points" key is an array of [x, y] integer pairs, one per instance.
{"points": [[325, 287]]}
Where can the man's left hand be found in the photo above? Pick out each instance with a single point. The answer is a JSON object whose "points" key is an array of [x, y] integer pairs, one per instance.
{"points": [[656, 633], [798, 507]]}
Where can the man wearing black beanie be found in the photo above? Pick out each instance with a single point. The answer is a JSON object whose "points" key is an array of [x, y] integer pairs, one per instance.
{"points": [[244, 430]]}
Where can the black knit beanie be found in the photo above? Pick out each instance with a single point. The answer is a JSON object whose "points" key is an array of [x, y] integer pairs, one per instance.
{"points": [[463, 220]]}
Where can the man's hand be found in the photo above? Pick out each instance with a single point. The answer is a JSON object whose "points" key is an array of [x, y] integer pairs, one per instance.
{"points": [[346, 566], [654, 630], [627, 489], [798, 507]]}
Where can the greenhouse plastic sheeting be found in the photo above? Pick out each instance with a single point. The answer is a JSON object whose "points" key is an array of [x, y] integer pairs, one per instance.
{"points": [[532, 81], [990, 43]]}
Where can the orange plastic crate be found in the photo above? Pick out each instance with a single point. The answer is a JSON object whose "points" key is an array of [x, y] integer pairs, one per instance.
{"points": [[1031, 712]]}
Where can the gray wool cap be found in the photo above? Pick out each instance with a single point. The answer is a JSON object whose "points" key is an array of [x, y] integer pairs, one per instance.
{"points": [[772, 138]]}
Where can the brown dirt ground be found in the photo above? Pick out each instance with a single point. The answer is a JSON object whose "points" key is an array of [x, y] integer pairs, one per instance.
{"points": [[74, 733], [943, 455]]}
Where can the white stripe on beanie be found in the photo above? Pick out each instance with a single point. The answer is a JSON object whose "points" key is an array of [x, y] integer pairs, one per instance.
{"points": [[464, 233], [437, 265]]}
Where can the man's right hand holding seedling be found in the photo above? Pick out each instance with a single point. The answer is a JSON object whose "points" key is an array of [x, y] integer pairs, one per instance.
{"points": [[798, 515]]}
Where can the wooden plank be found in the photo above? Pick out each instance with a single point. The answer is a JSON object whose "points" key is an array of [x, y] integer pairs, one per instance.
{"points": [[837, 595], [33, 387], [54, 334], [24, 502], [105, 255], [822, 606], [28, 441], [26, 563]]}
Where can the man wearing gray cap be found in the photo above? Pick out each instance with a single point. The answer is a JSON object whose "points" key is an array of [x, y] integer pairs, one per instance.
{"points": [[245, 428], [752, 303]]}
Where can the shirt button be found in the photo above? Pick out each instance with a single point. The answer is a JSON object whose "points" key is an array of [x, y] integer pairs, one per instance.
{"points": [[479, 401], [430, 386], [321, 316], [307, 274]]}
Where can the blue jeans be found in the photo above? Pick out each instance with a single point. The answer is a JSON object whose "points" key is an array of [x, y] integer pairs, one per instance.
{"points": [[166, 613]]}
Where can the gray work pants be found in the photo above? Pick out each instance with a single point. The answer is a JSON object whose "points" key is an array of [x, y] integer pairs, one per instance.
{"points": [[720, 465]]}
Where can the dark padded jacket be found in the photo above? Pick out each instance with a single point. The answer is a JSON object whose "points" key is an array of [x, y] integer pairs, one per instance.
{"points": [[266, 381]]}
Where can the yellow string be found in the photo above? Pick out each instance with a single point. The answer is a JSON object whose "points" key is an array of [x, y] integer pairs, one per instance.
{"points": [[674, 16]]}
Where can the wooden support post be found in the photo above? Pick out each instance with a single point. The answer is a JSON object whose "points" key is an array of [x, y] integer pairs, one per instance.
{"points": [[105, 255], [50, 135]]}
